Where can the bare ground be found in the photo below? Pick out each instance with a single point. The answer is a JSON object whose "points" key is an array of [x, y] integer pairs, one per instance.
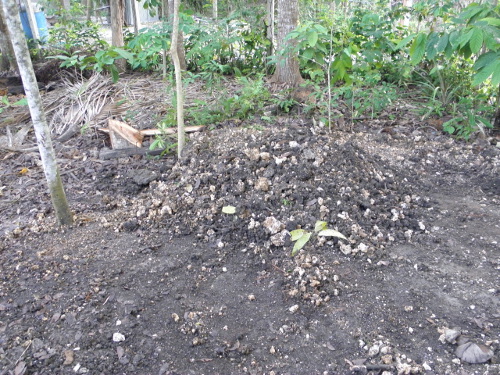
{"points": [[154, 278]]}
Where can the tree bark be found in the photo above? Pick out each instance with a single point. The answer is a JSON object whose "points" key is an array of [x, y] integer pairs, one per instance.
{"points": [[181, 52], [137, 17], [215, 10], [65, 4], [42, 132], [8, 60], [178, 79], [117, 8], [270, 25], [287, 67]]}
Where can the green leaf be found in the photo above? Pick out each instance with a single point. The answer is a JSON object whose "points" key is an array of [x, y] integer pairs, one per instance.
{"points": [[476, 40], [443, 42], [320, 225], [230, 210], [491, 21], [115, 75], [465, 37], [297, 233], [405, 41], [431, 49], [495, 78], [484, 73], [312, 38], [21, 102], [301, 242], [331, 233], [486, 59], [417, 49], [125, 54]]}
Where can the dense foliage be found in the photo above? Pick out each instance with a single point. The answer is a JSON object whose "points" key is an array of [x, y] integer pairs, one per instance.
{"points": [[446, 57]]}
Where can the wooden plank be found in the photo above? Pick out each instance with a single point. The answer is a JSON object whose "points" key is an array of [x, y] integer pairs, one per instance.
{"points": [[124, 131], [106, 154]]}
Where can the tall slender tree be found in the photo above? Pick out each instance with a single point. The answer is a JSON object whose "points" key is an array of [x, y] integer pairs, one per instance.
{"points": [[42, 132], [117, 8], [181, 52], [287, 67], [8, 60], [178, 78]]}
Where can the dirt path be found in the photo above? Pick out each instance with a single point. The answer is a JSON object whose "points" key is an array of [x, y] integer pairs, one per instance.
{"points": [[155, 278]]}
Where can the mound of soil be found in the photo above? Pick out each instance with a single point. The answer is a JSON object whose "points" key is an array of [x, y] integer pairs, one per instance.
{"points": [[158, 276]]}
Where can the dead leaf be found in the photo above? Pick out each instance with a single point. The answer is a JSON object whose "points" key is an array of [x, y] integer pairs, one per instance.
{"points": [[474, 353], [20, 368]]}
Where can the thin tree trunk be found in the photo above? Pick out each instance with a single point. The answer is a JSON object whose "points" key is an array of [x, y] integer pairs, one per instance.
{"points": [[270, 25], [180, 45], [89, 9], [287, 67], [137, 18], [117, 8], [178, 80], [8, 60], [215, 10], [65, 4], [42, 132]]}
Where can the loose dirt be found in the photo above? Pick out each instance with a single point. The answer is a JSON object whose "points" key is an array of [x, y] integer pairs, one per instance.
{"points": [[155, 278]]}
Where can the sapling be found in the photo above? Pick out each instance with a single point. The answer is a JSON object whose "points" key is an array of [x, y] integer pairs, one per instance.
{"points": [[301, 237]]}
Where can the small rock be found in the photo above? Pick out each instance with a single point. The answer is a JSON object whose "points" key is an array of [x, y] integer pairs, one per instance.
{"points": [[118, 337], [309, 154], [273, 225], [293, 309], [251, 297], [262, 184], [451, 335], [69, 357], [374, 350], [143, 177], [279, 239], [387, 359]]}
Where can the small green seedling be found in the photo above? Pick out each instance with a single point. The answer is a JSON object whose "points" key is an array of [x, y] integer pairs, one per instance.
{"points": [[301, 236]]}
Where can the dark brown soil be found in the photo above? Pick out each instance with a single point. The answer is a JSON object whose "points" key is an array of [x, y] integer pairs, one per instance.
{"points": [[155, 279]]}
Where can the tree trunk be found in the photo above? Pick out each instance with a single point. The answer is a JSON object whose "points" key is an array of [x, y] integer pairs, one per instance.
{"points": [[8, 60], [180, 45], [215, 10], [287, 67], [137, 17], [270, 25], [65, 4], [42, 132], [117, 8], [89, 9], [178, 79]]}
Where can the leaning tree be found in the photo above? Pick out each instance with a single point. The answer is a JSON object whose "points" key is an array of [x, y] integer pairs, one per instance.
{"points": [[42, 131]]}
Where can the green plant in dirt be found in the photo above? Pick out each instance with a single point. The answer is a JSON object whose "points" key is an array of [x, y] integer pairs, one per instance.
{"points": [[301, 237], [5, 103]]}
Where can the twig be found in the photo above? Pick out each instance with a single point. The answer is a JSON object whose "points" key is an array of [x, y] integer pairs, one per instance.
{"points": [[23, 353]]}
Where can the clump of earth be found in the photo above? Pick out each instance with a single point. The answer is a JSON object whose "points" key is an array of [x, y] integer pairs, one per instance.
{"points": [[185, 267]]}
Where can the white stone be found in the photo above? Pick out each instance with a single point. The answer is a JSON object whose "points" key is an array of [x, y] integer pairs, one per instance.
{"points": [[118, 337]]}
